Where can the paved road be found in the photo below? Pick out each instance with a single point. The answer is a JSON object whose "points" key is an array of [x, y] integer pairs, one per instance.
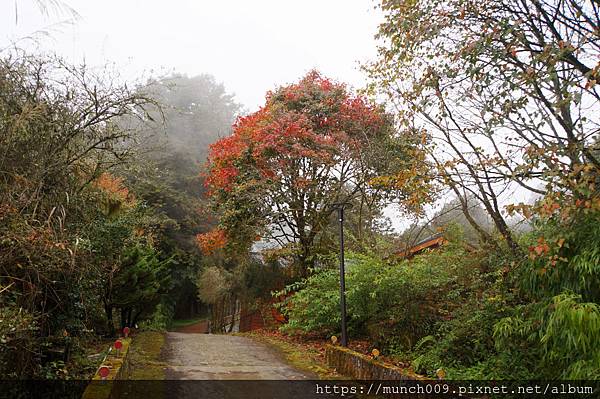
{"points": [[204, 365], [224, 357]]}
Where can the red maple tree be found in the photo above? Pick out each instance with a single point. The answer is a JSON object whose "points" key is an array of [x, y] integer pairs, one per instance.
{"points": [[312, 144]]}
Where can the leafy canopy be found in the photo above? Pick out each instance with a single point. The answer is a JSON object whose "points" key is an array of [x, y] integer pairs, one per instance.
{"points": [[312, 144]]}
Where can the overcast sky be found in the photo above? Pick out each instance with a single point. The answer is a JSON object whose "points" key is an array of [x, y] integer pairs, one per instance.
{"points": [[250, 46]]}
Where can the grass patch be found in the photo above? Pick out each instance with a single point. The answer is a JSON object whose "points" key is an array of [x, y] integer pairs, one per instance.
{"points": [[186, 322], [305, 357], [145, 361]]}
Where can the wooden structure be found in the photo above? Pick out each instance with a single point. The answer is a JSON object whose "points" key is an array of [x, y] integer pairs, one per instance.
{"points": [[251, 320], [257, 317], [434, 241]]}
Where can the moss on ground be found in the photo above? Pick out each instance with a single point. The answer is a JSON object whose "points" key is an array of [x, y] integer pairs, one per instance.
{"points": [[145, 361]]}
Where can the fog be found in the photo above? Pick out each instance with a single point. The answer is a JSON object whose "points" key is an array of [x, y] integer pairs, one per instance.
{"points": [[250, 46], [241, 49]]}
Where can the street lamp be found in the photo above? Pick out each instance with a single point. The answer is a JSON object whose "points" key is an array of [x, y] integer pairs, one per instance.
{"points": [[340, 208]]}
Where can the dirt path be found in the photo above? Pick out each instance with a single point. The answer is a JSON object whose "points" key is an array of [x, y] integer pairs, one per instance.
{"points": [[201, 328], [224, 357]]}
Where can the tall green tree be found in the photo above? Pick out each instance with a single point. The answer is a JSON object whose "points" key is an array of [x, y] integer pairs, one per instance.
{"points": [[195, 111]]}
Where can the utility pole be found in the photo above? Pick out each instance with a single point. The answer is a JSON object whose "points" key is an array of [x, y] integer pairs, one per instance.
{"points": [[340, 208]]}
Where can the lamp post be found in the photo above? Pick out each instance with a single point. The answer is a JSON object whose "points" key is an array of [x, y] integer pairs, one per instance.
{"points": [[340, 208]]}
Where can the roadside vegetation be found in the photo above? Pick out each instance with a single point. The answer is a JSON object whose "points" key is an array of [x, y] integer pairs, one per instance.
{"points": [[486, 102], [134, 204], [97, 224]]}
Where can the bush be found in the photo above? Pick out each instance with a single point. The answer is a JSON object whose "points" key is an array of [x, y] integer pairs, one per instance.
{"points": [[19, 351], [314, 308], [58, 136], [159, 320], [559, 320], [394, 304], [536, 318]]}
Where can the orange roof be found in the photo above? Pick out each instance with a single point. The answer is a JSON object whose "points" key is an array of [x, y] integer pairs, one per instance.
{"points": [[431, 242]]}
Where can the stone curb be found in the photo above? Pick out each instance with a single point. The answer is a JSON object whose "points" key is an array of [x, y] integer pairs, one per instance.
{"points": [[363, 367], [118, 365]]}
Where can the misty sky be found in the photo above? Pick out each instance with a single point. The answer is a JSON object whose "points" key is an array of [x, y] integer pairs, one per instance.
{"points": [[250, 46]]}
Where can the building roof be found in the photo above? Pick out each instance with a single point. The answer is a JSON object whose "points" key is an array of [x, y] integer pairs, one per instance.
{"points": [[430, 242]]}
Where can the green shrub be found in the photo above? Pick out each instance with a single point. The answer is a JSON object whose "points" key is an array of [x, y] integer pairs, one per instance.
{"points": [[315, 308], [536, 318], [393, 303], [19, 342], [159, 320], [559, 320]]}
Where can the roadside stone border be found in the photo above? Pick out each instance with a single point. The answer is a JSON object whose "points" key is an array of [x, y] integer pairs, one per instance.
{"points": [[119, 368], [363, 367]]}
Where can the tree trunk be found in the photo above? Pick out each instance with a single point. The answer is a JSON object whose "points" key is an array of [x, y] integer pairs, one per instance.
{"points": [[123, 318], [136, 317], [109, 320]]}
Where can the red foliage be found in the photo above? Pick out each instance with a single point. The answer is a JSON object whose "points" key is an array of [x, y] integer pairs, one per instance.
{"points": [[113, 186], [212, 241], [315, 119]]}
